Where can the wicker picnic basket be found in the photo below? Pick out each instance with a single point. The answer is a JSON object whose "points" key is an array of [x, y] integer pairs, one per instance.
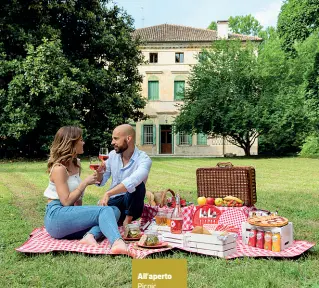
{"points": [[227, 180]]}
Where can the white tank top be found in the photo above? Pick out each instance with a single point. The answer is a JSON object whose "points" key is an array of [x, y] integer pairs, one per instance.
{"points": [[73, 182]]}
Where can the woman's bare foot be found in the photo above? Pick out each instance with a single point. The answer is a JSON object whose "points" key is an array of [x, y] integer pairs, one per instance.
{"points": [[119, 247], [89, 239]]}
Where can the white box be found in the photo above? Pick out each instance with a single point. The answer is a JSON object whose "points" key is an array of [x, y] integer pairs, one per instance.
{"points": [[173, 239], [158, 228], [286, 233], [219, 244]]}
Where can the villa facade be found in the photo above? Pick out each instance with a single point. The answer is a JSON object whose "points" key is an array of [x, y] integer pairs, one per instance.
{"points": [[171, 51]]}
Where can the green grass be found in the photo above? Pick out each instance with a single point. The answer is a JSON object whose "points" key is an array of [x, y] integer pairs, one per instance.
{"points": [[288, 184]]}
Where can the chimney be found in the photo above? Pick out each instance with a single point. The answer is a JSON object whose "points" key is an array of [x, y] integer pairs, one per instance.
{"points": [[222, 29]]}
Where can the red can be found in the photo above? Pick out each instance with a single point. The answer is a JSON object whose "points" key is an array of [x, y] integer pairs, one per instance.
{"points": [[252, 237], [260, 239]]}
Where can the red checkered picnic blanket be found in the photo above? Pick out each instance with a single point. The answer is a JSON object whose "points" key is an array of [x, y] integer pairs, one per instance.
{"points": [[297, 248], [230, 215], [41, 242]]}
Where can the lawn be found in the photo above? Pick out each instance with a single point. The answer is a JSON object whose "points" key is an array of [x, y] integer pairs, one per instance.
{"points": [[288, 184]]}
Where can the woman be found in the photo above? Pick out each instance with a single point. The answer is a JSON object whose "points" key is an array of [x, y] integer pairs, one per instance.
{"points": [[65, 189]]}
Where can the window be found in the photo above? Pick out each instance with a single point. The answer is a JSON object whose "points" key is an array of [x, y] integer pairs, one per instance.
{"points": [[179, 90], [184, 139], [153, 90], [179, 57], [201, 139], [148, 134], [153, 57]]}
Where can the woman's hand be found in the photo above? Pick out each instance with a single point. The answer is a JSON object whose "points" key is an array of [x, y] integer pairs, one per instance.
{"points": [[92, 179]]}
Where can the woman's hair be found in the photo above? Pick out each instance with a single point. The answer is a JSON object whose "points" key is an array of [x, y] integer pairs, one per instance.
{"points": [[63, 146]]}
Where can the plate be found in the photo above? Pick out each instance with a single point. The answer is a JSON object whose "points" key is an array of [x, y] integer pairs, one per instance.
{"points": [[159, 245], [132, 239]]}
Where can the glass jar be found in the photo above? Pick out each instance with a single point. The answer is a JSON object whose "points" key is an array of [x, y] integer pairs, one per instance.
{"points": [[168, 218], [152, 238], [160, 218], [132, 231]]}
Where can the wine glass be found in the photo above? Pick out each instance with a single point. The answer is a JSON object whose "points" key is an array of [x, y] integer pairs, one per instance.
{"points": [[94, 163], [104, 154]]}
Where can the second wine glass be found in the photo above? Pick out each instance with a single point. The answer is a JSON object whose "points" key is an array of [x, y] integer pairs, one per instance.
{"points": [[104, 154]]}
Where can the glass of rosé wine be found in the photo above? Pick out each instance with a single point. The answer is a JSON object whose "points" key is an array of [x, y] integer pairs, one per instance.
{"points": [[104, 154], [94, 163]]}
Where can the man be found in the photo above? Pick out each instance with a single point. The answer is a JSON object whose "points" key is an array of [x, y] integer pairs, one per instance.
{"points": [[129, 168]]}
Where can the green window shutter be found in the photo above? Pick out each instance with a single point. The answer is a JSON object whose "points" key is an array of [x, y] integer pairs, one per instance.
{"points": [[154, 134], [177, 139], [153, 90], [142, 134], [201, 139], [179, 90], [190, 139]]}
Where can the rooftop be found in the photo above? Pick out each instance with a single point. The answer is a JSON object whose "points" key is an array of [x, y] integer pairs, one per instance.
{"points": [[179, 33]]}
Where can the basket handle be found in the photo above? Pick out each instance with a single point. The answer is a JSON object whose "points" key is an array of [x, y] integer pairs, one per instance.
{"points": [[164, 196], [225, 164]]}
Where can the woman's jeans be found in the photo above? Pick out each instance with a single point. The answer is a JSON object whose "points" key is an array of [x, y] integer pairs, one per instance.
{"points": [[73, 222]]}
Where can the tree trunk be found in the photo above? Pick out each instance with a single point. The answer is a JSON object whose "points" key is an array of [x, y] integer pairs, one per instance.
{"points": [[247, 151]]}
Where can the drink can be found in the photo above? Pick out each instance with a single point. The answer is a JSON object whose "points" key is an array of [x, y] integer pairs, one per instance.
{"points": [[276, 240], [252, 237], [268, 240], [260, 239]]}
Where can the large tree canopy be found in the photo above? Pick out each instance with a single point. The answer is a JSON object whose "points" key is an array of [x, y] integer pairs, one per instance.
{"points": [[225, 95], [66, 62], [296, 21], [246, 25]]}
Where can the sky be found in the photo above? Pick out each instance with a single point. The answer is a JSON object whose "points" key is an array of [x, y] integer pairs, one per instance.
{"points": [[198, 13]]}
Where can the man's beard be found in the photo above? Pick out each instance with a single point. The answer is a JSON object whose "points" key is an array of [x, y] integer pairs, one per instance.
{"points": [[122, 148]]}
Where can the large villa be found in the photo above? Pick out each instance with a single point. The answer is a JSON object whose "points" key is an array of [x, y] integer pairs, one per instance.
{"points": [[171, 51]]}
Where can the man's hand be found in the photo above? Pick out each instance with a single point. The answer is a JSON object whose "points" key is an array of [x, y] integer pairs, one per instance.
{"points": [[104, 200], [101, 168]]}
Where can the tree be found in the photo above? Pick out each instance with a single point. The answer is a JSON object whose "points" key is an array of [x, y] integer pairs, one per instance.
{"points": [[246, 25], [296, 21], [212, 25], [283, 80], [225, 95], [76, 56]]}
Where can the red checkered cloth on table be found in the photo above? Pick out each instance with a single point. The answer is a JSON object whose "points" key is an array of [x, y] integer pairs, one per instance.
{"points": [[41, 242], [230, 215]]}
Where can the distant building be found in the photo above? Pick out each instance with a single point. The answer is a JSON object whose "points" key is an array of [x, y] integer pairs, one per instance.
{"points": [[171, 51]]}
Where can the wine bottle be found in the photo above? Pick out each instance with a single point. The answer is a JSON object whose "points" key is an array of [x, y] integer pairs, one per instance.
{"points": [[177, 217]]}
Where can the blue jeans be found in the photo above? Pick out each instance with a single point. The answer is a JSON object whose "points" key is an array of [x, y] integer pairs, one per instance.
{"points": [[131, 204], [73, 222]]}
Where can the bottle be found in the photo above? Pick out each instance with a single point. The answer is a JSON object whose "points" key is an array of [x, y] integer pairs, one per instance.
{"points": [[260, 239], [276, 241], [252, 237], [177, 218], [268, 241]]}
